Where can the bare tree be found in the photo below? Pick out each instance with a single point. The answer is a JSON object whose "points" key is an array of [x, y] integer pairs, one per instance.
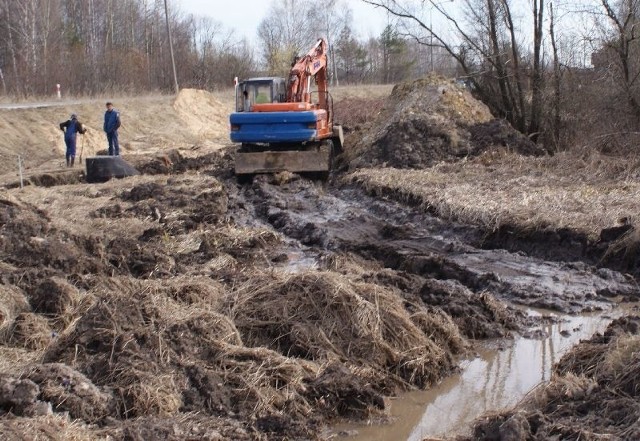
{"points": [[328, 18], [557, 83], [285, 32], [488, 51], [625, 45]]}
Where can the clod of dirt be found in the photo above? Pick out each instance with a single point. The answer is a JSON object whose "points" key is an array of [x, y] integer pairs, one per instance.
{"points": [[478, 315], [140, 261], [164, 163], [13, 302], [207, 391], [54, 296], [338, 389], [181, 204], [59, 178], [70, 391], [148, 190], [431, 120], [17, 394]]}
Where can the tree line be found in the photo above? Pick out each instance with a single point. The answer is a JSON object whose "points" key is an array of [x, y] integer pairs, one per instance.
{"points": [[556, 70], [98, 46]]}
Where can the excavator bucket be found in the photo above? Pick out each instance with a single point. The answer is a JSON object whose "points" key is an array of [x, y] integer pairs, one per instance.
{"points": [[297, 161]]}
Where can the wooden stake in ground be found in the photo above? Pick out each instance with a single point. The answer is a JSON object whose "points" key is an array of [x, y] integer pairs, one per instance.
{"points": [[82, 149]]}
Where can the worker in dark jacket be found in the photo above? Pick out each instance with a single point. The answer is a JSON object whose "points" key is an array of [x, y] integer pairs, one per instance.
{"points": [[111, 126], [71, 128]]}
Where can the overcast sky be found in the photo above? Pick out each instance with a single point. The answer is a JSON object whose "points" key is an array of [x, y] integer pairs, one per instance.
{"points": [[245, 15]]}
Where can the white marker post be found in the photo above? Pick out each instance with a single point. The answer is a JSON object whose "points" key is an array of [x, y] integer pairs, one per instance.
{"points": [[20, 171], [58, 91]]}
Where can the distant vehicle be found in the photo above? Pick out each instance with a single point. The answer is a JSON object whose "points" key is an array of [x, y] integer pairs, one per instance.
{"points": [[284, 125]]}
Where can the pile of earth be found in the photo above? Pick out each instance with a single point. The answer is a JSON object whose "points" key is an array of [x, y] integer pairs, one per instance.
{"points": [[432, 120], [593, 394]]}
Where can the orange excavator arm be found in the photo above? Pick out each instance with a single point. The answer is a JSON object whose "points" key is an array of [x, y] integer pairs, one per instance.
{"points": [[313, 64]]}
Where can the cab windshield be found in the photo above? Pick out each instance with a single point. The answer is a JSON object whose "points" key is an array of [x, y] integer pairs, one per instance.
{"points": [[253, 93]]}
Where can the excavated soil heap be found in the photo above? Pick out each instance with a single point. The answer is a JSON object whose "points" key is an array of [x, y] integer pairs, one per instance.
{"points": [[201, 113], [431, 120]]}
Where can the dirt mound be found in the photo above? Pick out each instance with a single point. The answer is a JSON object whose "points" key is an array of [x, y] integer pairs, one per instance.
{"points": [[70, 391], [291, 316], [593, 394], [274, 345], [202, 114], [432, 120], [54, 296]]}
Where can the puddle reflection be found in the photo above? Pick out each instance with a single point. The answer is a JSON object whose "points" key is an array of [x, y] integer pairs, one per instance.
{"points": [[498, 378]]}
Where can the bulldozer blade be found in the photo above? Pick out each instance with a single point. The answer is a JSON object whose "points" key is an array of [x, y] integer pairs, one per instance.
{"points": [[277, 161]]}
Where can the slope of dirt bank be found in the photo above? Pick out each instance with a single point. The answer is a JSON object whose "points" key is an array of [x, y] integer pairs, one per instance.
{"points": [[432, 120], [149, 124], [592, 395]]}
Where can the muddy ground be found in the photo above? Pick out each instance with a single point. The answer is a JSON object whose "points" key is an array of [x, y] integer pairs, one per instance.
{"points": [[181, 304]]}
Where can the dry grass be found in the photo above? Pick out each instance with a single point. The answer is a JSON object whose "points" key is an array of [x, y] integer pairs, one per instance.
{"points": [[31, 331], [12, 303], [14, 360], [584, 194], [326, 316], [51, 427]]}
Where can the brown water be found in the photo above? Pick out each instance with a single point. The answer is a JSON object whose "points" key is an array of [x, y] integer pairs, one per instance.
{"points": [[499, 377]]}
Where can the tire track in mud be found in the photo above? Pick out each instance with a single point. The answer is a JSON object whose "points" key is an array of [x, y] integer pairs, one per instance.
{"points": [[417, 245]]}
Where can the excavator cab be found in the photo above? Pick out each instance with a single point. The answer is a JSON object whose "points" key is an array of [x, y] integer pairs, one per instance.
{"points": [[259, 91], [286, 125]]}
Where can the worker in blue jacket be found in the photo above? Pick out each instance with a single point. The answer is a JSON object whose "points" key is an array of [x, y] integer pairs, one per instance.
{"points": [[70, 128], [111, 126]]}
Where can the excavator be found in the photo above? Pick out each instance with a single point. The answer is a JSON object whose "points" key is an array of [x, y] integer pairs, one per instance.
{"points": [[287, 125]]}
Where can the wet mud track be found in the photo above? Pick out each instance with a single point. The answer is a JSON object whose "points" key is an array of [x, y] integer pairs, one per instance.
{"points": [[424, 256]]}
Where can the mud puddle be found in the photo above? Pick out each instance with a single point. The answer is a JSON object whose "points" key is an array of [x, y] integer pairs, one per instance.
{"points": [[344, 220], [498, 377]]}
